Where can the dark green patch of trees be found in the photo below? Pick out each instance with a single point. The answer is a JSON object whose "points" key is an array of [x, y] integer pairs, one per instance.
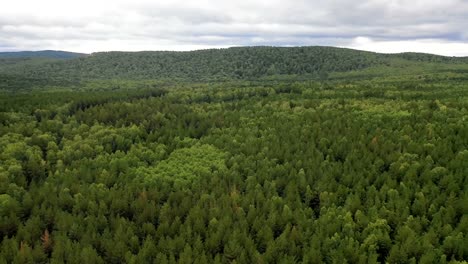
{"points": [[240, 63]]}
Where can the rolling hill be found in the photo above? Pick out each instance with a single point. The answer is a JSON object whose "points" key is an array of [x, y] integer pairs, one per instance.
{"points": [[52, 54], [238, 63]]}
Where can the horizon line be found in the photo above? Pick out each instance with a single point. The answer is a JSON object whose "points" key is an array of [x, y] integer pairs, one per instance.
{"points": [[230, 47]]}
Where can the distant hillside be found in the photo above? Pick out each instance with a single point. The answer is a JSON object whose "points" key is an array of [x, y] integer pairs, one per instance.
{"points": [[53, 54], [245, 63]]}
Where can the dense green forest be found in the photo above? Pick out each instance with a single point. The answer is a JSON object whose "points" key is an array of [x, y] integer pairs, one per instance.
{"points": [[361, 165], [239, 63]]}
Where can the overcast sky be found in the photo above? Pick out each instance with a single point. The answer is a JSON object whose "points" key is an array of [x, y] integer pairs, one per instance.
{"points": [[433, 26]]}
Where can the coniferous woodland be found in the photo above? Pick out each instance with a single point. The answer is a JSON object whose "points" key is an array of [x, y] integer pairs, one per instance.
{"points": [[342, 164]]}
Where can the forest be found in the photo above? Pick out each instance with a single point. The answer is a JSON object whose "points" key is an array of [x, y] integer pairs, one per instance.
{"points": [[357, 162], [47, 68]]}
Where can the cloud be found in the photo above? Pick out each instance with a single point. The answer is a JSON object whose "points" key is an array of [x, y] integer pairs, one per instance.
{"points": [[446, 48], [434, 26]]}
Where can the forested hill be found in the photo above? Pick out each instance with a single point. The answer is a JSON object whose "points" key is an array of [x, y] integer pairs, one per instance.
{"points": [[52, 54], [214, 64]]}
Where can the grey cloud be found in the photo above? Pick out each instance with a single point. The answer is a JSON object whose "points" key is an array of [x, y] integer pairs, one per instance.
{"points": [[241, 22], [185, 14]]}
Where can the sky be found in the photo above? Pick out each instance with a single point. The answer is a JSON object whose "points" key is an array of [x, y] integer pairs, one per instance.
{"points": [[389, 26]]}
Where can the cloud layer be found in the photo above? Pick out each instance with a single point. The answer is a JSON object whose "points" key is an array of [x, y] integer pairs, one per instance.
{"points": [[436, 26]]}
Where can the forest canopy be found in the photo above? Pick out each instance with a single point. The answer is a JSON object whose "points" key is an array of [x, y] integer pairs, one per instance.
{"points": [[360, 166]]}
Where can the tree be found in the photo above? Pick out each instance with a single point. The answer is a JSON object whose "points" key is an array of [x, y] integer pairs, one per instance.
{"points": [[46, 242]]}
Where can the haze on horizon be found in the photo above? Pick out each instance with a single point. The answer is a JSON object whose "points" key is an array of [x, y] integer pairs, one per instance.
{"points": [[437, 26]]}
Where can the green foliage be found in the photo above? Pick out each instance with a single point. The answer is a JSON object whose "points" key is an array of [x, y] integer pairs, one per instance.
{"points": [[333, 171], [238, 63], [186, 164]]}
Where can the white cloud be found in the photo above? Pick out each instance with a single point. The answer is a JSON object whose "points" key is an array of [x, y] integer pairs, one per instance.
{"points": [[425, 45], [436, 26]]}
